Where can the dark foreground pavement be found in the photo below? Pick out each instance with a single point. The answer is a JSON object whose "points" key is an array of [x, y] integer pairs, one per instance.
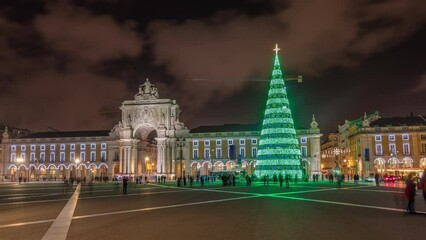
{"points": [[305, 211]]}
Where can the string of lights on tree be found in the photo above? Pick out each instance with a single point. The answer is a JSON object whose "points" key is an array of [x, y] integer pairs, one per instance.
{"points": [[279, 151]]}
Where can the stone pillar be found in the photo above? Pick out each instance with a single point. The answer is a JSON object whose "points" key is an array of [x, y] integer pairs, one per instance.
{"points": [[161, 155]]}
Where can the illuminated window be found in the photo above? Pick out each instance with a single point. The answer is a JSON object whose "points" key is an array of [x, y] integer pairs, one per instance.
{"points": [[304, 151], [13, 148], [218, 142], [254, 152], [23, 148], [392, 148], [42, 147], [405, 137], [254, 141], [72, 156], [52, 147], [72, 146], [33, 147], [92, 156], [195, 153], [82, 146], [230, 142], [93, 146], [52, 157], [206, 143], [242, 152], [42, 157], [218, 153], [242, 141], [103, 146], [378, 138], [12, 157], [62, 147], [406, 148], [207, 153], [32, 157], [62, 157], [103, 156], [392, 138], [195, 143], [82, 156], [379, 150], [303, 140]]}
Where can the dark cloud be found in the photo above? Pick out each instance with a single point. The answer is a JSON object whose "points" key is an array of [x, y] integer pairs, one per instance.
{"points": [[314, 36], [59, 88], [421, 86]]}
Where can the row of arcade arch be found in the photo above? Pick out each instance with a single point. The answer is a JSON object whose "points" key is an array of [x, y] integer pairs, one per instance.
{"points": [[205, 168]]}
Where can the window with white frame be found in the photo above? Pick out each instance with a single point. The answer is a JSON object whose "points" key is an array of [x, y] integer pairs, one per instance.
{"points": [[13, 148], [103, 146], [195, 143], [62, 157], [303, 140], [379, 150], [218, 142], [33, 147], [93, 146], [254, 141], [242, 141], [23, 148], [52, 157], [392, 138], [206, 143], [406, 148], [103, 156], [72, 156], [195, 153], [304, 151], [52, 147], [23, 156], [82, 146], [62, 147], [32, 157], [218, 152], [392, 148], [72, 146], [378, 138], [92, 156], [42, 147], [207, 153], [82, 156], [242, 152], [230, 142], [405, 137], [254, 152], [12, 157], [42, 157]]}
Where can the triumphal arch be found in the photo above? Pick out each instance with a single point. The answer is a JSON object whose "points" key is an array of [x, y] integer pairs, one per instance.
{"points": [[148, 135]]}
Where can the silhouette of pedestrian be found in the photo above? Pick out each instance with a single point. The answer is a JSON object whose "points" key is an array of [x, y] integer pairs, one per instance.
{"points": [[184, 180], [410, 193], [125, 180], [423, 185], [233, 180], [281, 179], [202, 181], [191, 181], [376, 177], [287, 181]]}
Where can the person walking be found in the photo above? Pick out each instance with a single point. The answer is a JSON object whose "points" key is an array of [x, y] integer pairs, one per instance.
{"points": [[202, 181], [423, 185], [410, 193], [125, 180], [287, 181], [376, 177], [233, 180], [281, 179]]}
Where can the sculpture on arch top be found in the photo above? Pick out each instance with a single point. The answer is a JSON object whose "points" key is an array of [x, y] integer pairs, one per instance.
{"points": [[147, 91]]}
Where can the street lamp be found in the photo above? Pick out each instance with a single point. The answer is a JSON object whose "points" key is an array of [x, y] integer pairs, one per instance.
{"points": [[181, 144]]}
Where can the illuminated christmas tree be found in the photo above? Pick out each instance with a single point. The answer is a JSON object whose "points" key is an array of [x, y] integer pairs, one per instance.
{"points": [[279, 150]]}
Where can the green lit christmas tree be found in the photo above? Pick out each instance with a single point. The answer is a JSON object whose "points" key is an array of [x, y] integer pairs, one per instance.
{"points": [[279, 150]]}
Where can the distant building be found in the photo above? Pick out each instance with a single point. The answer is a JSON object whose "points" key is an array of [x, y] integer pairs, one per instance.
{"points": [[9, 132], [388, 145], [147, 141], [329, 162]]}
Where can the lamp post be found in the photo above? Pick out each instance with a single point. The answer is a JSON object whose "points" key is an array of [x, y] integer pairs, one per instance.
{"points": [[181, 144]]}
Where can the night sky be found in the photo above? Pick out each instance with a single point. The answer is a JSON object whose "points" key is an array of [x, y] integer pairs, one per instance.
{"points": [[69, 64]]}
